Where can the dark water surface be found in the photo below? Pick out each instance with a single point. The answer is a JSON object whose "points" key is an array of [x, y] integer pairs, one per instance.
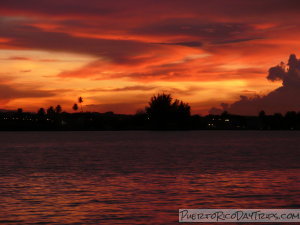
{"points": [[143, 177]]}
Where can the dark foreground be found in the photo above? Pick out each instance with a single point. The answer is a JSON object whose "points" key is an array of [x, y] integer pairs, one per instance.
{"points": [[143, 177], [88, 121]]}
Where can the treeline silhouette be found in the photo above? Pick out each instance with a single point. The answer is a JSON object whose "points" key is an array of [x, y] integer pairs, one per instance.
{"points": [[162, 113]]}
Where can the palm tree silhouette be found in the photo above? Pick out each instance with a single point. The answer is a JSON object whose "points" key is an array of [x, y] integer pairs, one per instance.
{"points": [[80, 101], [75, 107]]}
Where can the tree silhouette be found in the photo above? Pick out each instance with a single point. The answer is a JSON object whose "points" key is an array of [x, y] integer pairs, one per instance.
{"points": [[75, 107], [41, 112], [19, 110], [262, 114], [50, 111], [58, 109], [80, 101], [165, 113], [160, 107], [263, 119], [181, 110]]}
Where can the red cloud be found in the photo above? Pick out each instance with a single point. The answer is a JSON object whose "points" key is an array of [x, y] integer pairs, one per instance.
{"points": [[148, 41]]}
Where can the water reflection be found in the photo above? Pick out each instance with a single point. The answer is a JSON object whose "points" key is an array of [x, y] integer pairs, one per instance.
{"points": [[143, 177]]}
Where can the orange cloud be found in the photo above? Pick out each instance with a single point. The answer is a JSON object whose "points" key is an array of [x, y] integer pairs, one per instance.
{"points": [[140, 43]]}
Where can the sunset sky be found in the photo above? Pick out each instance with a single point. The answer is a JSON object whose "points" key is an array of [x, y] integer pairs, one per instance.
{"points": [[117, 54]]}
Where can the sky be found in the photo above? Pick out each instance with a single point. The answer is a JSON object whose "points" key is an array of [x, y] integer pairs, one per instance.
{"points": [[216, 55]]}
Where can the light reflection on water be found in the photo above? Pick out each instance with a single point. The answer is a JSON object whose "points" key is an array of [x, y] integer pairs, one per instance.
{"points": [[143, 177]]}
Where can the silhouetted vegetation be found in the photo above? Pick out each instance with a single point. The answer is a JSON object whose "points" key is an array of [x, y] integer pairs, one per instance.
{"points": [[162, 113], [80, 101], [75, 107], [58, 109]]}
